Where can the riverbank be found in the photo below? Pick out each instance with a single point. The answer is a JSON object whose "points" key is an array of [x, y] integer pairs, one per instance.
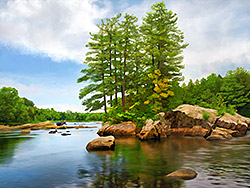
{"points": [[38, 126]]}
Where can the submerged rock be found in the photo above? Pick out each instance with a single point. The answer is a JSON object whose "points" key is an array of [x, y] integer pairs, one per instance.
{"points": [[184, 173], [25, 131], [53, 132], [121, 129], [101, 143], [65, 134]]}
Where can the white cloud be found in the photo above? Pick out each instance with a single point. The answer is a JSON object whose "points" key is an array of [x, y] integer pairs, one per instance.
{"points": [[55, 28], [218, 35], [217, 32]]}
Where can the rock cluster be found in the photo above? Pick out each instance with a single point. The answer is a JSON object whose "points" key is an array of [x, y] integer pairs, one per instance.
{"points": [[188, 120], [233, 122], [185, 120]]}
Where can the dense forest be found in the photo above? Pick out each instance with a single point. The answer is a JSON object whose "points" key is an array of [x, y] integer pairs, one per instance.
{"points": [[15, 110], [134, 71]]}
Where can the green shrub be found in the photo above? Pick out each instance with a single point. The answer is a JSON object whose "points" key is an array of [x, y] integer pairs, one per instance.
{"points": [[117, 114], [206, 115]]}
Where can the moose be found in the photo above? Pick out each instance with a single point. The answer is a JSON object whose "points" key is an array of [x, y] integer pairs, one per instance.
{"points": [[61, 123]]}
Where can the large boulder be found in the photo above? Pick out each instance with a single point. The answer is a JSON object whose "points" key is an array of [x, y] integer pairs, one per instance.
{"points": [[184, 173], [179, 119], [222, 134], [101, 143], [121, 129], [229, 121], [188, 116], [152, 130]]}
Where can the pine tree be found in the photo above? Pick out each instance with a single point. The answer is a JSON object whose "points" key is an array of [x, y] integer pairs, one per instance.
{"points": [[129, 35], [163, 41], [96, 73], [112, 39]]}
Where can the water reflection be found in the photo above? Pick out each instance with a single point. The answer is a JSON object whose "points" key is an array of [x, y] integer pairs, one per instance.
{"points": [[49, 161], [8, 143], [145, 164], [140, 164]]}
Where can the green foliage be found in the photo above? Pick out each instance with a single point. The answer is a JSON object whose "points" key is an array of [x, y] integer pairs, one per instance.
{"points": [[206, 115], [15, 110], [120, 59], [122, 55], [226, 95], [117, 114], [163, 41], [12, 107], [161, 91]]}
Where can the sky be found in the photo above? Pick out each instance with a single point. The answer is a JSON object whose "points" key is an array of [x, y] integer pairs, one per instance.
{"points": [[42, 42]]}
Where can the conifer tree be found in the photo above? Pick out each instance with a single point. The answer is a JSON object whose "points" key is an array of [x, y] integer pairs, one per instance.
{"points": [[129, 35], [96, 73], [112, 39], [163, 41]]}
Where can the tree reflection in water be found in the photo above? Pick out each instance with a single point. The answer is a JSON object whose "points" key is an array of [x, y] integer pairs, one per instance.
{"points": [[139, 164], [8, 143]]}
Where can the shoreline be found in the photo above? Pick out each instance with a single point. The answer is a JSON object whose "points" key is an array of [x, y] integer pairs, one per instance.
{"points": [[37, 126]]}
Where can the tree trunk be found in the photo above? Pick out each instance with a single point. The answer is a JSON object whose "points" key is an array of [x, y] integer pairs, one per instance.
{"points": [[153, 60], [124, 75], [104, 96], [160, 62], [110, 68], [116, 89]]}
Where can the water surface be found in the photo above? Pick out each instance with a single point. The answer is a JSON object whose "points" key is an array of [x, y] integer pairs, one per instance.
{"points": [[51, 160]]}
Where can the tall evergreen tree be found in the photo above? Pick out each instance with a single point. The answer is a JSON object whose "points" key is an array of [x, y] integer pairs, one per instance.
{"points": [[112, 34], [129, 35], [163, 40], [98, 64]]}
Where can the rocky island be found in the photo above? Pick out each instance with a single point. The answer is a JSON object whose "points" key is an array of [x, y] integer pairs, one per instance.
{"points": [[185, 120]]}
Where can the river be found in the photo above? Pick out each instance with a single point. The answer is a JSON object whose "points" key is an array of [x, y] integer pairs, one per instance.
{"points": [[42, 160]]}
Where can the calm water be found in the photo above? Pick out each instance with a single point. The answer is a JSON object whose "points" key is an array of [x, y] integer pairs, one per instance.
{"points": [[44, 160]]}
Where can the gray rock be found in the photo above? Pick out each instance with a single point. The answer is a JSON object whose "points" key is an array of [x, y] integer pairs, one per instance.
{"points": [[101, 143]]}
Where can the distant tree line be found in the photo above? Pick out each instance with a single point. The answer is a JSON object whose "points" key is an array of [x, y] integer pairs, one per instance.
{"points": [[15, 110], [229, 94]]}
